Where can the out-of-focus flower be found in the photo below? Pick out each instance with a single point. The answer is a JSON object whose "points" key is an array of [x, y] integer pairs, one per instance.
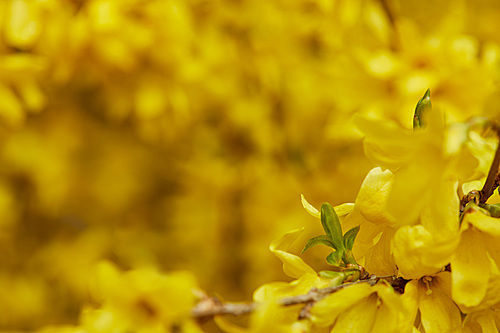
{"points": [[139, 300]]}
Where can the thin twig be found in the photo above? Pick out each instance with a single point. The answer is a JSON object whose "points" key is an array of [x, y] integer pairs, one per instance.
{"points": [[211, 306], [492, 181]]}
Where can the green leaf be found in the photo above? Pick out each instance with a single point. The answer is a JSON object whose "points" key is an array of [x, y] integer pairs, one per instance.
{"points": [[318, 240], [331, 225], [334, 258], [330, 274], [349, 258], [423, 106], [336, 278], [349, 237], [352, 274], [494, 210]]}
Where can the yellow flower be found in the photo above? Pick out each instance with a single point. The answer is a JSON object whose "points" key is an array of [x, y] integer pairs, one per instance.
{"points": [[269, 315], [295, 267], [420, 161], [430, 295], [426, 248], [413, 205], [362, 308], [417, 252], [473, 273], [482, 321], [139, 300], [373, 243]]}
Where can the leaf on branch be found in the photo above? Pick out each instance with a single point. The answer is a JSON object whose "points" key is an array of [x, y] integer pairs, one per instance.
{"points": [[494, 210], [331, 274], [335, 258], [349, 258], [318, 240], [350, 236], [423, 106], [331, 225]]}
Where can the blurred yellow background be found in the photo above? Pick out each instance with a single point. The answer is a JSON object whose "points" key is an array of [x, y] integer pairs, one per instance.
{"points": [[179, 134]]}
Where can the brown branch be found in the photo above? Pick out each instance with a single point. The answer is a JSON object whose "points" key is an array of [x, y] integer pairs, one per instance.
{"points": [[493, 179], [211, 306]]}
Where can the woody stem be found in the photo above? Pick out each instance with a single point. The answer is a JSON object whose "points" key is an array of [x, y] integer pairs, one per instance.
{"points": [[493, 179], [209, 306]]}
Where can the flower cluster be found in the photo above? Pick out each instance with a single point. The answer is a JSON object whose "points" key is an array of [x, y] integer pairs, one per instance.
{"points": [[410, 225], [421, 253]]}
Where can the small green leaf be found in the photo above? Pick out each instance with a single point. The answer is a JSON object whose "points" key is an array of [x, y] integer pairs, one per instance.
{"points": [[334, 258], [423, 106], [336, 278], [494, 210], [349, 237], [330, 274], [318, 240], [352, 275], [349, 258], [331, 225]]}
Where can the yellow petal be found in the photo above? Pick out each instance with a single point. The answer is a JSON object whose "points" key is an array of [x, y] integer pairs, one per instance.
{"points": [[488, 324], [417, 253], [438, 312], [410, 302], [367, 235], [473, 185], [470, 269], [309, 208], [392, 313], [492, 245], [293, 265], [372, 196], [386, 320], [227, 326], [11, 110], [350, 321], [23, 26], [385, 143], [325, 312], [379, 259], [484, 223], [32, 95], [340, 210], [280, 290], [344, 209], [411, 188], [273, 317], [440, 216], [481, 321]]}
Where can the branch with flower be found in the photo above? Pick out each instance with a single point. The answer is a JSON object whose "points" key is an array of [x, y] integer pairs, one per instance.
{"points": [[421, 252]]}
